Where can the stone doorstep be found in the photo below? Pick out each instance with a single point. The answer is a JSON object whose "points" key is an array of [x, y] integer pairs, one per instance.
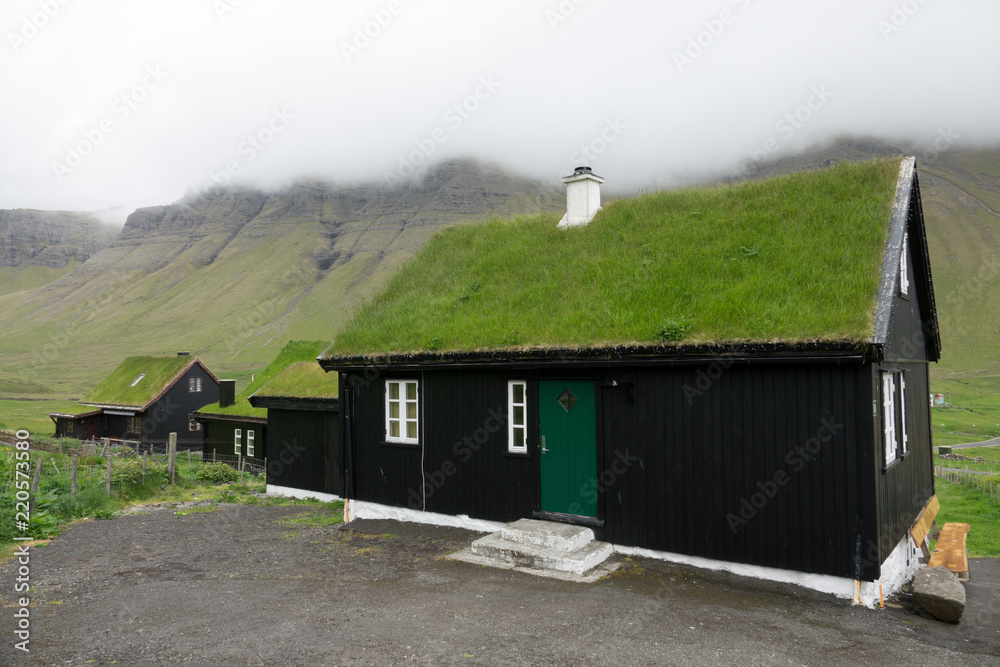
{"points": [[578, 561], [558, 536]]}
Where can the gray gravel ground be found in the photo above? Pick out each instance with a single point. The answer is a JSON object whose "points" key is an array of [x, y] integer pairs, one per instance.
{"points": [[245, 586]]}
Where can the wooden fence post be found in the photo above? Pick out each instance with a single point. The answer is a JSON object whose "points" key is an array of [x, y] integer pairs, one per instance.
{"points": [[34, 483], [72, 477], [145, 459], [213, 456], [107, 478], [189, 459], [172, 456], [243, 463]]}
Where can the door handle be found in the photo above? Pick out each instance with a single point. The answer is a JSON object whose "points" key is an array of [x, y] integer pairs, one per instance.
{"points": [[544, 450]]}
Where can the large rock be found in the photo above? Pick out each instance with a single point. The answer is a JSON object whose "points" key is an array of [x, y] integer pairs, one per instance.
{"points": [[940, 593]]}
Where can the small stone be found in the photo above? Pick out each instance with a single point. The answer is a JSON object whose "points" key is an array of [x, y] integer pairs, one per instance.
{"points": [[940, 593]]}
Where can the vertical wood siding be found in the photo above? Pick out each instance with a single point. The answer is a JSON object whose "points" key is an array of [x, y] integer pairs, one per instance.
{"points": [[305, 450]]}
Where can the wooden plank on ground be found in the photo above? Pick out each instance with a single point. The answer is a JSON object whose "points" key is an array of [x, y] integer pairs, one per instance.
{"points": [[950, 550]]}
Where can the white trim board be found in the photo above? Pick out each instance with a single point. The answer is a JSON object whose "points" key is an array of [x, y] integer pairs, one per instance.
{"points": [[300, 493]]}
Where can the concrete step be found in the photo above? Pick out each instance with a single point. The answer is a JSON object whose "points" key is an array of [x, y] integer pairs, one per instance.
{"points": [[558, 536], [534, 556]]}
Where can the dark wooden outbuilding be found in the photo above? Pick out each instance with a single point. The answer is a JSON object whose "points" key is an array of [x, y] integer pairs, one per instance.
{"points": [[303, 419]]}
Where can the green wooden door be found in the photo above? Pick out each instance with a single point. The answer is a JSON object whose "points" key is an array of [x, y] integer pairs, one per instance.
{"points": [[568, 429]]}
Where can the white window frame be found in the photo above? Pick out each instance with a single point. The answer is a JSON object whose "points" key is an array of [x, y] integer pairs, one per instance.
{"points": [[517, 444], [402, 402], [251, 435], [194, 385], [904, 274], [238, 441], [193, 424], [895, 439]]}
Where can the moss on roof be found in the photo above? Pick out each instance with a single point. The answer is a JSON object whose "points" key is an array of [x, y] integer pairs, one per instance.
{"points": [[793, 259], [122, 388], [293, 352], [305, 379]]}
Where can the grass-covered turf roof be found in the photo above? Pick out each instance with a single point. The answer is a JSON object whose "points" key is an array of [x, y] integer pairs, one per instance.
{"points": [[792, 259], [304, 379], [293, 352], [121, 388]]}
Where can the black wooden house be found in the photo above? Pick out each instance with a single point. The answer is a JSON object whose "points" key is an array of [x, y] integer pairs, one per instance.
{"points": [[303, 419], [790, 435], [145, 399], [234, 430]]}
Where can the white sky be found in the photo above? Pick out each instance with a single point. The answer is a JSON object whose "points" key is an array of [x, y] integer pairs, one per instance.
{"points": [[199, 77]]}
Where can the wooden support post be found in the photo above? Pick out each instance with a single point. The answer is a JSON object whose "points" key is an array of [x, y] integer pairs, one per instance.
{"points": [[242, 464], [145, 459], [265, 470], [34, 483], [72, 477], [172, 457], [107, 479]]}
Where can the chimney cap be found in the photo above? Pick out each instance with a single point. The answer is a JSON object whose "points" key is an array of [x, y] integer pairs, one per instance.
{"points": [[582, 173]]}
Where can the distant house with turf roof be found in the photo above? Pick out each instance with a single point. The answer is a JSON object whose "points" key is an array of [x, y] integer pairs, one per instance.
{"points": [[733, 377], [234, 429], [145, 399], [303, 418]]}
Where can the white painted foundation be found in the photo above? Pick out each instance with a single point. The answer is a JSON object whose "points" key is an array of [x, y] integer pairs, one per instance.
{"points": [[897, 569], [359, 509], [300, 493]]}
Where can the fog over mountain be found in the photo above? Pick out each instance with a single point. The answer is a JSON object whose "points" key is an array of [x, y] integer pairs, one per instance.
{"points": [[117, 103]]}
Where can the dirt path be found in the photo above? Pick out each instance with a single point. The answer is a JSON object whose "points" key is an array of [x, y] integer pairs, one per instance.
{"points": [[247, 586]]}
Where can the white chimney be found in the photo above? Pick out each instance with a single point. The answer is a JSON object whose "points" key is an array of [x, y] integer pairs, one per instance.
{"points": [[583, 197]]}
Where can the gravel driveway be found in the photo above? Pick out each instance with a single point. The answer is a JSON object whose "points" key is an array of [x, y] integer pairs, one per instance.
{"points": [[246, 585]]}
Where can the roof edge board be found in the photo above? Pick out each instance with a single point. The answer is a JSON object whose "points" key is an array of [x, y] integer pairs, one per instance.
{"points": [[893, 248]]}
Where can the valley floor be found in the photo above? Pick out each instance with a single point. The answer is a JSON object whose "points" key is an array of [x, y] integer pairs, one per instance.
{"points": [[252, 585]]}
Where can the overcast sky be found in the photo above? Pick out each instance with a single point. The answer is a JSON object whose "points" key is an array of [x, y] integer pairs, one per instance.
{"points": [[134, 102]]}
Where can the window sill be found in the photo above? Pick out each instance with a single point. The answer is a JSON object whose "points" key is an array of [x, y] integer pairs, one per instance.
{"points": [[517, 455], [403, 445], [897, 461]]}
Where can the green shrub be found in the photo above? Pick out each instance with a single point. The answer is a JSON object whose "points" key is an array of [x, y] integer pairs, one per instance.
{"points": [[672, 330], [217, 473]]}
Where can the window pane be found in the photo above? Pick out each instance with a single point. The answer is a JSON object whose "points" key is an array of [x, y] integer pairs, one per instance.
{"points": [[393, 429], [519, 415], [411, 430], [411, 410], [519, 393], [394, 390], [393, 410], [518, 437], [411, 390]]}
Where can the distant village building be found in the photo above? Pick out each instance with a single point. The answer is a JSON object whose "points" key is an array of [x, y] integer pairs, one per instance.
{"points": [[145, 399], [744, 437], [233, 431]]}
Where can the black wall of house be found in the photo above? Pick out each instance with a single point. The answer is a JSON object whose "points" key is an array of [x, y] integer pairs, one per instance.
{"points": [[306, 450], [905, 486], [754, 463], [220, 437]]}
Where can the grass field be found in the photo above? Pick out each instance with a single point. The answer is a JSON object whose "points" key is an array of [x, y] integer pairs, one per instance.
{"points": [[33, 416], [962, 504], [991, 454]]}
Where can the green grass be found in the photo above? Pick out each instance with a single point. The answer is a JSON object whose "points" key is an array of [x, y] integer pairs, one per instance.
{"points": [[962, 504], [795, 258], [117, 388], [305, 379], [974, 414], [33, 416], [293, 352]]}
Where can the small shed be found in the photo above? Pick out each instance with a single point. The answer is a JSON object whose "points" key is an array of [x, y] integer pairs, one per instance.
{"points": [[303, 417], [733, 377], [145, 399]]}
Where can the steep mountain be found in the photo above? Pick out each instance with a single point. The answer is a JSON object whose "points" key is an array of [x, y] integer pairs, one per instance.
{"points": [[36, 247], [233, 274]]}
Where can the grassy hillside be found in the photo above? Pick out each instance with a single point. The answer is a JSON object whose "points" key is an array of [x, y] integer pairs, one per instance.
{"points": [[232, 275], [793, 258]]}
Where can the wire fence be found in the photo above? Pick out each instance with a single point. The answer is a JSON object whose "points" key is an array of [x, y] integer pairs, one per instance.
{"points": [[66, 467], [971, 480]]}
